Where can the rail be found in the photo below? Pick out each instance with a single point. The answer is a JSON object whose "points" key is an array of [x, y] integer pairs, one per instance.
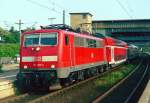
{"points": [[115, 86], [130, 88], [137, 86]]}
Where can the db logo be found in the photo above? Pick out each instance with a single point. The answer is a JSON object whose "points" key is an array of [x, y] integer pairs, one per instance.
{"points": [[37, 58]]}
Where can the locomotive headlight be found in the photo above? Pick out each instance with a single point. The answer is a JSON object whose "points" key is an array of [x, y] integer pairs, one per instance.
{"points": [[25, 66], [52, 66], [38, 48]]}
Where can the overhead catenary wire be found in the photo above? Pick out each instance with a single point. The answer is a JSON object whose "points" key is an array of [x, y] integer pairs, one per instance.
{"points": [[129, 6], [59, 6], [124, 9], [43, 6], [67, 11], [47, 7], [63, 9]]}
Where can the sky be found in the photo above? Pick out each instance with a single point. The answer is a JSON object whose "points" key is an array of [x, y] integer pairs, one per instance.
{"points": [[37, 12]]}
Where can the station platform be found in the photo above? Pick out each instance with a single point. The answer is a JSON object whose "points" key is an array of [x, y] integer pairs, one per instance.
{"points": [[8, 67], [7, 78], [145, 97], [9, 72]]}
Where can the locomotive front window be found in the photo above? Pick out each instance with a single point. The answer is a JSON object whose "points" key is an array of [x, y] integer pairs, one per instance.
{"points": [[40, 39], [31, 40], [49, 39]]}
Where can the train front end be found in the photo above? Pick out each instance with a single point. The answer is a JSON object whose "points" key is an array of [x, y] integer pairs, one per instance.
{"points": [[38, 59]]}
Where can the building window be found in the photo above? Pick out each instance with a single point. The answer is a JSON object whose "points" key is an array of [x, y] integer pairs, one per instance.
{"points": [[84, 16]]}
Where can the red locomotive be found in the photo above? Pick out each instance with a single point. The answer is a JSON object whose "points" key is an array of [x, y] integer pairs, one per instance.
{"points": [[56, 54]]}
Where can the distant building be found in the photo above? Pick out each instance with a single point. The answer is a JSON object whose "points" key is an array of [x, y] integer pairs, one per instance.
{"points": [[132, 31], [82, 21]]}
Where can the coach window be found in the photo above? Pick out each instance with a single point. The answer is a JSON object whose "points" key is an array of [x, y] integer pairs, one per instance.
{"points": [[66, 39], [76, 41]]}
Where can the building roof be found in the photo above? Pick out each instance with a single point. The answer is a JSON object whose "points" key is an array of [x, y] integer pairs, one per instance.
{"points": [[81, 13]]}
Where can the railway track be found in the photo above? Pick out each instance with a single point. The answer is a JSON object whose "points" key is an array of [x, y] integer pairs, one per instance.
{"points": [[37, 98], [40, 98], [129, 89]]}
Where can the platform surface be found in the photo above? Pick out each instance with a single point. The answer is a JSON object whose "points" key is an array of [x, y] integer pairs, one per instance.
{"points": [[6, 83], [145, 97], [9, 72]]}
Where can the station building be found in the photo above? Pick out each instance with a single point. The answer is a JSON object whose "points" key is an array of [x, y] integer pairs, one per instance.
{"points": [[82, 21]]}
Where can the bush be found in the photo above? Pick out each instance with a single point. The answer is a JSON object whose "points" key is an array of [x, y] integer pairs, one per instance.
{"points": [[9, 50]]}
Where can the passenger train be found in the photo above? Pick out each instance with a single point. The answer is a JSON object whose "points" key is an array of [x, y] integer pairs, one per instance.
{"points": [[56, 54]]}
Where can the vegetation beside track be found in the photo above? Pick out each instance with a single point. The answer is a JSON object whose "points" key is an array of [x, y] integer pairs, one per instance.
{"points": [[86, 92], [9, 50]]}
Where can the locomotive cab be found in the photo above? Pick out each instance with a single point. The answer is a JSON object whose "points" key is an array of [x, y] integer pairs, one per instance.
{"points": [[39, 51], [39, 58]]}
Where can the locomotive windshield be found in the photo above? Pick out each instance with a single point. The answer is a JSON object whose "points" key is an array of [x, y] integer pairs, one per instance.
{"points": [[40, 39]]}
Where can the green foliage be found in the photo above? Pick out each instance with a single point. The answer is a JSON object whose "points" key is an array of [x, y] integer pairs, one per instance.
{"points": [[9, 50], [3, 32], [11, 36], [146, 49]]}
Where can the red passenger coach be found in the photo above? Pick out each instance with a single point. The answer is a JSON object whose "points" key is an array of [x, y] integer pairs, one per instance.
{"points": [[116, 50], [52, 55]]}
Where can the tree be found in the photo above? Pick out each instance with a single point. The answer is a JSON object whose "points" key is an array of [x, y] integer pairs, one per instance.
{"points": [[11, 36], [3, 32], [15, 34]]}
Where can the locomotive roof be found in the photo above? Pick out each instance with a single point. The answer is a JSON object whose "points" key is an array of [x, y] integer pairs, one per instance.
{"points": [[64, 31]]}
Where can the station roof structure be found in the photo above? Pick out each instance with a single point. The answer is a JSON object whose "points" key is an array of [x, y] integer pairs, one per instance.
{"points": [[136, 31], [121, 20]]}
